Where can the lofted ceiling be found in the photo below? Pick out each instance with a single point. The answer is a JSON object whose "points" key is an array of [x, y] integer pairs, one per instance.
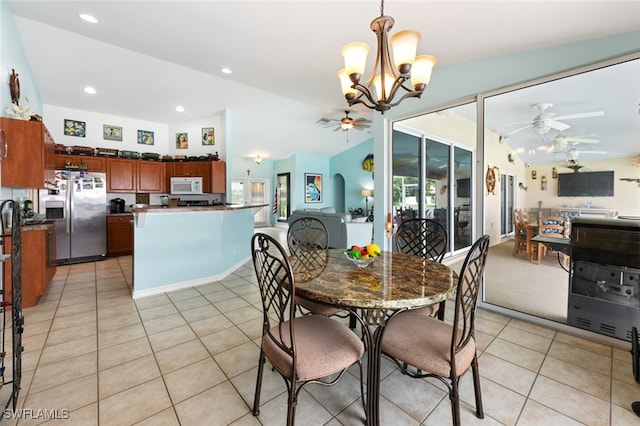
{"points": [[146, 57]]}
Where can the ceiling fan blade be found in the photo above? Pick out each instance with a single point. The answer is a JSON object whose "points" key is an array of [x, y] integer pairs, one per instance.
{"points": [[513, 132], [557, 125], [580, 115], [592, 152]]}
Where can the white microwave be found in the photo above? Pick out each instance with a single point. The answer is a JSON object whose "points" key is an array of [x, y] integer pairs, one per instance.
{"points": [[186, 185]]}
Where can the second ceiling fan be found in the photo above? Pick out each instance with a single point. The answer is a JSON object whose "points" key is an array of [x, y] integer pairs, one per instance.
{"points": [[346, 123], [546, 121]]}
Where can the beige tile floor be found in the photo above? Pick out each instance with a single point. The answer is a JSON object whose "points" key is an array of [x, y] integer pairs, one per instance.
{"points": [[189, 357]]}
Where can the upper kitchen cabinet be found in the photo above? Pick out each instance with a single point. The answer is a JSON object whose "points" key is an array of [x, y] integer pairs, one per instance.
{"points": [[218, 177], [150, 176], [92, 164], [29, 161], [134, 176], [190, 169]]}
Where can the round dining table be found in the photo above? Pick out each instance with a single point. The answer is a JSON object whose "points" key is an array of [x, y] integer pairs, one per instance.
{"points": [[392, 283]]}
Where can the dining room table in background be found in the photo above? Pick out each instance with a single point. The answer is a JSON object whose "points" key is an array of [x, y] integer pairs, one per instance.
{"points": [[392, 283]]}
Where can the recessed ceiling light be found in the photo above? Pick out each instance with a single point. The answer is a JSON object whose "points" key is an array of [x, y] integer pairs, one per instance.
{"points": [[90, 90], [180, 108], [88, 18], [225, 70]]}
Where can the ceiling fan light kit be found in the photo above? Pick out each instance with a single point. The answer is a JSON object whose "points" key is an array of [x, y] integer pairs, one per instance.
{"points": [[387, 78]]}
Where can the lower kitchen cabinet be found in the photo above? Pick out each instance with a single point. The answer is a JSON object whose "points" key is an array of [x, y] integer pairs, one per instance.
{"points": [[119, 235], [38, 263]]}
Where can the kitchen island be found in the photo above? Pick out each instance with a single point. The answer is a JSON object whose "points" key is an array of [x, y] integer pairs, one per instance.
{"points": [[180, 247]]}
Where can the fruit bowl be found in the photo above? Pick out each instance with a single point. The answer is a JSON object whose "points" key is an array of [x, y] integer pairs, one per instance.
{"points": [[360, 263]]}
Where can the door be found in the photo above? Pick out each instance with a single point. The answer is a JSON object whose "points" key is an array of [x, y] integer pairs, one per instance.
{"points": [[284, 203], [252, 191], [507, 201]]}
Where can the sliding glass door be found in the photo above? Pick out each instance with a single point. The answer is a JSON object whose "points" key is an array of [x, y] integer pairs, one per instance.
{"points": [[433, 172]]}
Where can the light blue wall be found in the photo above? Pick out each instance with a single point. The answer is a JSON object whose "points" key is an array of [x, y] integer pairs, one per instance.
{"points": [[12, 56], [201, 246], [348, 164]]}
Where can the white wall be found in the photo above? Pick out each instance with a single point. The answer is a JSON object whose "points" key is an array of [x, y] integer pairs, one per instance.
{"points": [[164, 134], [626, 199]]}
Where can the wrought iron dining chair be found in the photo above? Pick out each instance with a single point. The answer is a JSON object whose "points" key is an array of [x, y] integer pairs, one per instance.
{"points": [[303, 349], [308, 243], [425, 238], [422, 346]]}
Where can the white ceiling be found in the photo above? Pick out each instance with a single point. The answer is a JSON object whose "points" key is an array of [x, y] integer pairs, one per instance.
{"points": [[146, 57]]}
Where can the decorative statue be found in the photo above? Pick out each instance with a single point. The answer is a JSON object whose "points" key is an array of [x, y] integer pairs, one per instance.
{"points": [[14, 86]]}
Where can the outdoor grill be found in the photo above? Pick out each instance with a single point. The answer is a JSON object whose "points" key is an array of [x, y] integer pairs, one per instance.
{"points": [[604, 284]]}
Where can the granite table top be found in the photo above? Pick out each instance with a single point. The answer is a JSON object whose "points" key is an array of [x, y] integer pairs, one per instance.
{"points": [[392, 281]]}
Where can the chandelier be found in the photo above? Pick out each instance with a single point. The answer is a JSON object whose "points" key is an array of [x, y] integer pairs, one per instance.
{"points": [[387, 78]]}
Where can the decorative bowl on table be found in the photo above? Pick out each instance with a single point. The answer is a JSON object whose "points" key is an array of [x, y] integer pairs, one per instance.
{"points": [[359, 262]]}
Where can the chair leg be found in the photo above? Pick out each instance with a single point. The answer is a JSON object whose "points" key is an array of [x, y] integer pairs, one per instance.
{"points": [[440, 312], [476, 387], [256, 400], [455, 402], [291, 405]]}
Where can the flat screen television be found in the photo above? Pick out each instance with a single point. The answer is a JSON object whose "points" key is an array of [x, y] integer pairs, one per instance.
{"points": [[586, 184], [463, 188]]}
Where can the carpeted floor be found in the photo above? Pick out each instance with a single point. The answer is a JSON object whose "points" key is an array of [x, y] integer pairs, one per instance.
{"points": [[515, 283]]}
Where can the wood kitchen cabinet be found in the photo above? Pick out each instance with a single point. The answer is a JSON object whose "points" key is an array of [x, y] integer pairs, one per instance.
{"points": [[38, 263], [135, 176], [150, 176], [30, 154], [94, 164], [119, 235], [218, 177]]}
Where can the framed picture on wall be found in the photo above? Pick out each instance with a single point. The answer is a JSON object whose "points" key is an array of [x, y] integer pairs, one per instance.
{"points": [[208, 136], [145, 137], [312, 188], [74, 128], [111, 133], [182, 140]]}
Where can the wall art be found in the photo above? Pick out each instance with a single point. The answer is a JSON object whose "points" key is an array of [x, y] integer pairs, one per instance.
{"points": [[74, 128], [145, 137], [182, 140], [312, 188], [208, 136], [111, 133]]}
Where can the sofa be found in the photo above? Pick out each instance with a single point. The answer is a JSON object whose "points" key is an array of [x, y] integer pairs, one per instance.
{"points": [[343, 231]]}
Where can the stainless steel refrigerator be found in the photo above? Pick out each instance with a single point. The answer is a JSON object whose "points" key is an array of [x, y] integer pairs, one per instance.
{"points": [[78, 204]]}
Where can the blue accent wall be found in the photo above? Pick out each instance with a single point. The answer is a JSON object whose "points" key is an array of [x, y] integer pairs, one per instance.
{"points": [[348, 164]]}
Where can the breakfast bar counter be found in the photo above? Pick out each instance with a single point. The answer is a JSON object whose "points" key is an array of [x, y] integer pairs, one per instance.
{"points": [[180, 247]]}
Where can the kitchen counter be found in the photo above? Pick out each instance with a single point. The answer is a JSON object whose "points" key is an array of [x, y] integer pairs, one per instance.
{"points": [[181, 247], [220, 207], [43, 226]]}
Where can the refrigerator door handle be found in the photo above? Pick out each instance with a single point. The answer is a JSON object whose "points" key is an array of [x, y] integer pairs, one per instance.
{"points": [[70, 190]]}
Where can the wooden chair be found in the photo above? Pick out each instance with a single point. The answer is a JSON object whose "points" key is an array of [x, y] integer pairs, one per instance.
{"points": [[425, 238], [422, 346], [303, 349], [555, 227], [519, 233]]}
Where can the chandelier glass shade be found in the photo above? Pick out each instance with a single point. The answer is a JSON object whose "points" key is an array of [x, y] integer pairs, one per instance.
{"points": [[390, 82]]}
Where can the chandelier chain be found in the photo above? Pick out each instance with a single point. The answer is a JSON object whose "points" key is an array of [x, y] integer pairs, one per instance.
{"points": [[381, 7]]}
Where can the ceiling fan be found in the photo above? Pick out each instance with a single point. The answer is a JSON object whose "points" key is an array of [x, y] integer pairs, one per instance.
{"points": [[345, 123], [562, 143], [545, 121]]}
